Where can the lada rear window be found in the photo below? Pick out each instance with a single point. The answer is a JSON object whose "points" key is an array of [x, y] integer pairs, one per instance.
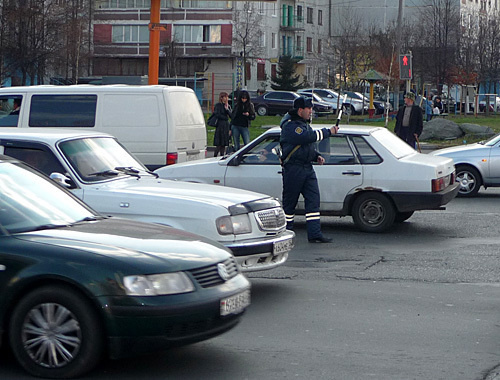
{"points": [[63, 111]]}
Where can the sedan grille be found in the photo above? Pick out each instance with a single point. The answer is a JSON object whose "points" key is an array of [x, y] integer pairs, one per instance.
{"points": [[271, 219], [212, 275]]}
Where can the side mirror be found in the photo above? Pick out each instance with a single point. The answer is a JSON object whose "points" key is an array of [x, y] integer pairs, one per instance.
{"points": [[235, 161], [61, 179]]}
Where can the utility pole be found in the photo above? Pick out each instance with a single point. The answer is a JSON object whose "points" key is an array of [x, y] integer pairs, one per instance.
{"points": [[398, 50], [154, 42]]}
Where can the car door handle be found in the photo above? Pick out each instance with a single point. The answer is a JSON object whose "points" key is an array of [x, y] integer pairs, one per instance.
{"points": [[280, 172], [351, 173]]}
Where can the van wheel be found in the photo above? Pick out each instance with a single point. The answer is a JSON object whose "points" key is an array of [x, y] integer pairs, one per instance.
{"points": [[261, 110], [54, 332], [373, 212]]}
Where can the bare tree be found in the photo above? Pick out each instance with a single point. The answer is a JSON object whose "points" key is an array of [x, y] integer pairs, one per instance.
{"points": [[247, 32], [41, 37], [437, 41]]}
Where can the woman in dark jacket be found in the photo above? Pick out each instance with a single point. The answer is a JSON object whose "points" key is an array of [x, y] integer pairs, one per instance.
{"points": [[242, 114], [222, 111]]}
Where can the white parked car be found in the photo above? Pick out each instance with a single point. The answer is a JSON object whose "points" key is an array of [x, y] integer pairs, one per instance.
{"points": [[369, 173], [477, 164], [104, 175]]}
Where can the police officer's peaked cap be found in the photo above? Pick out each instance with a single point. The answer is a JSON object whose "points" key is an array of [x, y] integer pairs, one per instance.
{"points": [[302, 102]]}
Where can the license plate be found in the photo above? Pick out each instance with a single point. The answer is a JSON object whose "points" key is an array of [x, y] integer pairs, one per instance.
{"points": [[235, 304], [283, 246]]}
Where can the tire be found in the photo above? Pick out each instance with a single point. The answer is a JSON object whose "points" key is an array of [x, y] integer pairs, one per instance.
{"points": [[402, 216], [60, 319], [373, 212], [469, 179], [261, 110], [347, 110]]}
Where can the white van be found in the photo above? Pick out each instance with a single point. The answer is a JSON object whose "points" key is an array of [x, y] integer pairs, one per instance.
{"points": [[160, 125]]}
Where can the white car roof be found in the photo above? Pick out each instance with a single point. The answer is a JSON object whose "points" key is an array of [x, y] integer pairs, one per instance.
{"points": [[88, 88], [351, 129], [48, 135]]}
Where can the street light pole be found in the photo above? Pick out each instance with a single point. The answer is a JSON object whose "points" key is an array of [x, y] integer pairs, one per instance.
{"points": [[398, 50], [154, 42]]}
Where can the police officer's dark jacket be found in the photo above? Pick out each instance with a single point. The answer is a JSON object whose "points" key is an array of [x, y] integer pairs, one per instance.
{"points": [[296, 131]]}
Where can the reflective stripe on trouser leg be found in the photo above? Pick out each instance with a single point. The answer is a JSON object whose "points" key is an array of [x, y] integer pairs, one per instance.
{"points": [[311, 203], [292, 186], [313, 225]]}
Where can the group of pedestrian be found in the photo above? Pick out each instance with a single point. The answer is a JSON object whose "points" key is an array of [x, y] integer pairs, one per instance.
{"points": [[241, 117]]}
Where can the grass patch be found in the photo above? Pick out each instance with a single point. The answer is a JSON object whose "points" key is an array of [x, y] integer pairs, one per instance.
{"points": [[261, 122]]}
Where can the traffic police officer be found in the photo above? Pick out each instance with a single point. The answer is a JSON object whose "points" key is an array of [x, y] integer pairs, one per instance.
{"points": [[298, 153]]}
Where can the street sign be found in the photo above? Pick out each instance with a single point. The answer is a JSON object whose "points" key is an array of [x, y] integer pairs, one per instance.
{"points": [[405, 67]]}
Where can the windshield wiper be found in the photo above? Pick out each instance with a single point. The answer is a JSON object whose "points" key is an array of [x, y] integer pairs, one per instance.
{"points": [[89, 219], [105, 173], [133, 171], [46, 227]]}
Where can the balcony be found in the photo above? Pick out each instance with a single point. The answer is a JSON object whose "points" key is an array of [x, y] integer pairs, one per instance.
{"points": [[290, 21]]}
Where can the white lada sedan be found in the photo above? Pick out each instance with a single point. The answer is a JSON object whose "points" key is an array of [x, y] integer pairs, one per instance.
{"points": [[369, 173], [96, 168]]}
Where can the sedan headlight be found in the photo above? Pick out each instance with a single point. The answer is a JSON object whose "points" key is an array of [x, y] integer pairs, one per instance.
{"points": [[237, 224], [158, 284]]}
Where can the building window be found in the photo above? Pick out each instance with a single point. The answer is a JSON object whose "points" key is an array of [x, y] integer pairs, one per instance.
{"points": [[320, 47], [197, 33], [300, 14], [309, 44], [309, 15], [299, 42], [273, 40], [261, 7], [262, 39], [320, 17], [273, 71], [137, 4], [273, 9], [248, 71], [130, 33], [261, 71]]}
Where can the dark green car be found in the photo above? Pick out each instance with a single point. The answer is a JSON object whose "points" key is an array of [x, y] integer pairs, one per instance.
{"points": [[76, 286]]}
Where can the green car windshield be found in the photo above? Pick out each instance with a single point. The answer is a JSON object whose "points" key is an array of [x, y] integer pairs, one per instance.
{"points": [[30, 202]]}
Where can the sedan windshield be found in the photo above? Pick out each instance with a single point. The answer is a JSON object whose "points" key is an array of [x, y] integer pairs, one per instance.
{"points": [[492, 141], [97, 157], [30, 202]]}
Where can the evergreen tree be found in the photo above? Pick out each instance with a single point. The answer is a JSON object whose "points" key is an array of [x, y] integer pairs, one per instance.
{"points": [[285, 79]]}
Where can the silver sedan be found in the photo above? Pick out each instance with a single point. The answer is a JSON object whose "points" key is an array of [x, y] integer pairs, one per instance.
{"points": [[476, 165]]}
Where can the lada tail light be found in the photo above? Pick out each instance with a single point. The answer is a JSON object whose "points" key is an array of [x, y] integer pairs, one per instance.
{"points": [[171, 158], [441, 183], [438, 184]]}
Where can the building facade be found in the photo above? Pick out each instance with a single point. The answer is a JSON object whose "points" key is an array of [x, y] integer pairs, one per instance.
{"points": [[230, 44]]}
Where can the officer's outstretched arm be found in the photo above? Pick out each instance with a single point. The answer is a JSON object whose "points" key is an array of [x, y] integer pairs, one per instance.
{"points": [[301, 136]]}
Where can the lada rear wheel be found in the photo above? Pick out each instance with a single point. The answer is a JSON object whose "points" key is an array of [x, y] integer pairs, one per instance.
{"points": [[469, 180], [55, 333], [373, 212]]}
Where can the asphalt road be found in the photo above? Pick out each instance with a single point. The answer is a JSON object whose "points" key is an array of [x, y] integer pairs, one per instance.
{"points": [[419, 302]]}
